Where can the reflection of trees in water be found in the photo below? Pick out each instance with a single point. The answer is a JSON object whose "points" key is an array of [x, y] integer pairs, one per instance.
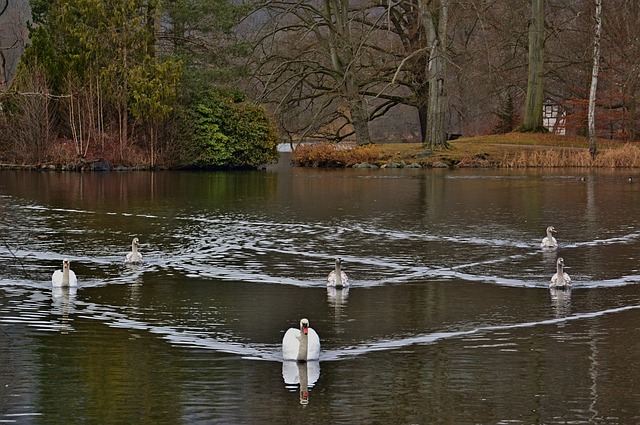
{"points": [[103, 374], [594, 367], [134, 294], [5, 226]]}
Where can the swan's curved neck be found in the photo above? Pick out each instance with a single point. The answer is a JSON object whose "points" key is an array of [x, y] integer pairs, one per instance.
{"points": [[338, 274], [560, 272], [134, 247], [65, 275], [304, 347]]}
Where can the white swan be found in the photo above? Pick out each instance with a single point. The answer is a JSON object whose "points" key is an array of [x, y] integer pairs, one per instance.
{"points": [[549, 241], [134, 256], [301, 344], [337, 277], [64, 277], [560, 279]]}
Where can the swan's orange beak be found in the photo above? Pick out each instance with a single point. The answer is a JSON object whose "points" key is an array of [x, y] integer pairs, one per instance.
{"points": [[305, 329]]}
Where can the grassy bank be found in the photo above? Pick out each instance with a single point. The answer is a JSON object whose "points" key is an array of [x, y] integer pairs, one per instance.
{"points": [[514, 150]]}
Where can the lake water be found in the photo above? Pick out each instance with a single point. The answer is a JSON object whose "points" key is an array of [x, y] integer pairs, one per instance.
{"points": [[449, 318]]}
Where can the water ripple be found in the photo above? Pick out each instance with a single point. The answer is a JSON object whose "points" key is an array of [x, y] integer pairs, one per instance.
{"points": [[394, 344]]}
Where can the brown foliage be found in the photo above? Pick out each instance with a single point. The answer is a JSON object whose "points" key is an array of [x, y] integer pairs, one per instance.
{"points": [[333, 155]]}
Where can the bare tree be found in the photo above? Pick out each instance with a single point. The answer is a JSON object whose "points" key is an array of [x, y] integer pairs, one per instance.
{"points": [[535, 86], [312, 70], [31, 124], [435, 14], [343, 48], [412, 70], [619, 77], [4, 75], [594, 79]]}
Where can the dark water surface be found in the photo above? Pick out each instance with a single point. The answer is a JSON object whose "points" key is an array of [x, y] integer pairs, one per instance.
{"points": [[449, 318]]}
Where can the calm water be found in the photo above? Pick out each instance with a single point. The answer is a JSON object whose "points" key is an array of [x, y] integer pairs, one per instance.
{"points": [[449, 318]]}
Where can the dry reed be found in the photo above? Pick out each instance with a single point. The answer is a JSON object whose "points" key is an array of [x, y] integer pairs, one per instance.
{"points": [[615, 157]]}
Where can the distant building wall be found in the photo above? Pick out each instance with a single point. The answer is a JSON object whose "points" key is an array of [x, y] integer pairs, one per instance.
{"points": [[554, 117]]}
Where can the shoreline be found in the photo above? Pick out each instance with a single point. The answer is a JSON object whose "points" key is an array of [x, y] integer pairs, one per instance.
{"points": [[513, 150]]}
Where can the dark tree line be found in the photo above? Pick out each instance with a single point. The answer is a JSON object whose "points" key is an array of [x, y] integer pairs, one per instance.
{"points": [[468, 67], [129, 80]]}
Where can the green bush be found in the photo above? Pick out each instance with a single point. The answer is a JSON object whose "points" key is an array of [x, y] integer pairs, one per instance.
{"points": [[229, 133]]}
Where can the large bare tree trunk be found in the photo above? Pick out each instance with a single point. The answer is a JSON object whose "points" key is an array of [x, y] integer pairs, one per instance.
{"points": [[4, 77], [535, 86], [594, 80], [436, 112], [3, 73], [342, 57], [360, 119], [434, 19]]}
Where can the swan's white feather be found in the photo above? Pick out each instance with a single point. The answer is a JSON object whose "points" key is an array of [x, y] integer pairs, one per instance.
{"points": [[291, 344], [331, 279], [56, 278], [134, 256], [556, 281], [549, 241]]}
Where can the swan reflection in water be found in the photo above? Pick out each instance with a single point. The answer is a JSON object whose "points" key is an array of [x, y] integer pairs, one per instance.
{"points": [[63, 303], [301, 376], [133, 267], [561, 301], [337, 297], [337, 300]]}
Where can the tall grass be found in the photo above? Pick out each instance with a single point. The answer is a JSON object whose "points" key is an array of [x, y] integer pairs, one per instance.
{"points": [[625, 156], [617, 157]]}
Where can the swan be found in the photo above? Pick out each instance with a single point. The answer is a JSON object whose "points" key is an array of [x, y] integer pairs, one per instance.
{"points": [[134, 256], [560, 279], [337, 277], [549, 241], [64, 277], [301, 344]]}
